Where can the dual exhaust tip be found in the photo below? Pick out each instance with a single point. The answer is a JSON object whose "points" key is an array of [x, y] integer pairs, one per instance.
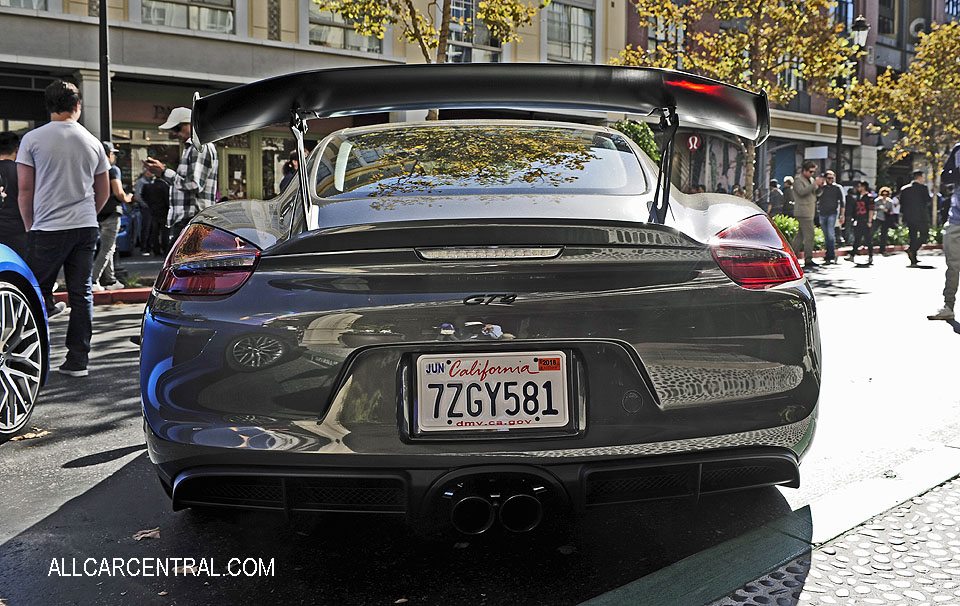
{"points": [[518, 510]]}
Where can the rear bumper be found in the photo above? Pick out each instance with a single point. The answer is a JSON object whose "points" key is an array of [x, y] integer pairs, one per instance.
{"points": [[418, 493], [413, 486]]}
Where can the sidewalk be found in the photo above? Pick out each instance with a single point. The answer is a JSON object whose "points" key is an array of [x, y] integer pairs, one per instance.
{"points": [[907, 555]]}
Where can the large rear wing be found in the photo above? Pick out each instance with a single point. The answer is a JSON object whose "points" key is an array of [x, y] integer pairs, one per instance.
{"points": [[360, 90]]}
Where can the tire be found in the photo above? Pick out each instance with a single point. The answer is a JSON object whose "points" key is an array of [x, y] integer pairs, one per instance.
{"points": [[21, 360]]}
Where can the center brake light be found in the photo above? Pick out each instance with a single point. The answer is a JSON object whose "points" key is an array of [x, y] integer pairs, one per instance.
{"points": [[754, 254], [207, 261]]}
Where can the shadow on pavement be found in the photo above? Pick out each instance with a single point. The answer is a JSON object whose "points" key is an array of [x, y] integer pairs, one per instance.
{"points": [[103, 457], [825, 285], [352, 559], [955, 325]]}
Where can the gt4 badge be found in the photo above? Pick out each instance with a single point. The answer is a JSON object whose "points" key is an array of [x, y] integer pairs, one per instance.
{"points": [[491, 299]]}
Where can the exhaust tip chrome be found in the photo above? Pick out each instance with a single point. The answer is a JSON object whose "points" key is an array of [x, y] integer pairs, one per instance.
{"points": [[472, 515], [521, 512]]}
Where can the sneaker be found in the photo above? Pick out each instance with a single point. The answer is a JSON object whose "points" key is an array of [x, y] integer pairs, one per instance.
{"points": [[115, 286], [95, 287], [58, 308], [945, 313], [73, 370]]}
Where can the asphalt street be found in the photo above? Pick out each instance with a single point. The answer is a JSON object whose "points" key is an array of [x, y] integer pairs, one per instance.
{"points": [[86, 488]]}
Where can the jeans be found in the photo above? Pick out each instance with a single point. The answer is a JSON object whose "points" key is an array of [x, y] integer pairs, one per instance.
{"points": [[951, 250], [881, 225], [828, 224], [159, 238], [862, 233], [72, 249], [103, 263]]}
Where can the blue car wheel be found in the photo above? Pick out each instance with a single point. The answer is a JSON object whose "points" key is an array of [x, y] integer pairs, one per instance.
{"points": [[21, 360]]}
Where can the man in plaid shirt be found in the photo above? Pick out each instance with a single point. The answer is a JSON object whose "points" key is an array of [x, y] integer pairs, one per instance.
{"points": [[193, 186]]}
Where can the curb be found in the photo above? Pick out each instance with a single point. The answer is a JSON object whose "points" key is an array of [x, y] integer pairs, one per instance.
{"points": [[819, 254], [112, 297]]}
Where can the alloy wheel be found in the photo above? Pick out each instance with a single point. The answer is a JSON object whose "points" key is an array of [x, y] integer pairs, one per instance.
{"points": [[21, 360]]}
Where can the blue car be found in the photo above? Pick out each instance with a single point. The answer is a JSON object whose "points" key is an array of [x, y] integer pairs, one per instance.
{"points": [[24, 343]]}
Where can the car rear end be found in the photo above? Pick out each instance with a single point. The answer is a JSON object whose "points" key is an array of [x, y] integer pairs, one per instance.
{"points": [[481, 356]]}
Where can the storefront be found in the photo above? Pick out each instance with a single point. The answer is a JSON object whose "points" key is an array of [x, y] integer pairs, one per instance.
{"points": [[250, 165]]}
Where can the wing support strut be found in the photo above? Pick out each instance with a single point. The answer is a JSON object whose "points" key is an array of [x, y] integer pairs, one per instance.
{"points": [[298, 126], [669, 122]]}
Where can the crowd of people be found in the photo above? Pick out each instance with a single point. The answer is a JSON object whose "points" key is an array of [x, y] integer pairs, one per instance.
{"points": [[859, 216], [62, 199]]}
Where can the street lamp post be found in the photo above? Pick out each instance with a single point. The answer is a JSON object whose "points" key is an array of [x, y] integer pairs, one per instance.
{"points": [[860, 29], [105, 134]]}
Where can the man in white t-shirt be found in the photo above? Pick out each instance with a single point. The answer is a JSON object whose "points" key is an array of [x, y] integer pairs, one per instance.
{"points": [[63, 178]]}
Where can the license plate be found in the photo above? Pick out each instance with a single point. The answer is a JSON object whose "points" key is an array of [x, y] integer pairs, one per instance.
{"points": [[512, 391]]}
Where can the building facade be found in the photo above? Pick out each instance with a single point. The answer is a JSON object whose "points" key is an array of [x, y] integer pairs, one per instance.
{"points": [[162, 51]]}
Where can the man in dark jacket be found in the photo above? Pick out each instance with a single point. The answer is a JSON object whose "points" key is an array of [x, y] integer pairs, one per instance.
{"points": [[915, 211], [774, 199], [829, 206]]}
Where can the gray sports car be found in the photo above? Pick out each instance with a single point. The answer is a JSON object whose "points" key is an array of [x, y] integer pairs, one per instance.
{"points": [[478, 322]]}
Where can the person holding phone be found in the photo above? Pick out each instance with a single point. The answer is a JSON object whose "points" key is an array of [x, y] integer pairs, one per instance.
{"points": [[193, 186]]}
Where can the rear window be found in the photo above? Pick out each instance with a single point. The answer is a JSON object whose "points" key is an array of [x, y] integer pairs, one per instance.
{"points": [[457, 159]]}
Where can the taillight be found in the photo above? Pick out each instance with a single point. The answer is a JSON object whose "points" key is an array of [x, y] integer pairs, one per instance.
{"points": [[207, 261], [755, 255]]}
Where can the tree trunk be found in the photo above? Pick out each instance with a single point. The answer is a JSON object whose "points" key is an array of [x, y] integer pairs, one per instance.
{"points": [[935, 169], [434, 114], [749, 169]]}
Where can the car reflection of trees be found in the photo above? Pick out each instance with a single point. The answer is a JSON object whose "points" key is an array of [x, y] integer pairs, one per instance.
{"points": [[428, 161]]}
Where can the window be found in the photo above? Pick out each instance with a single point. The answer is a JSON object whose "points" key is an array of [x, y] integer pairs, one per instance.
{"points": [[791, 77], [470, 42], [887, 18], [952, 10], [328, 28], [477, 160], [569, 33], [205, 16], [665, 37], [39, 5], [844, 13]]}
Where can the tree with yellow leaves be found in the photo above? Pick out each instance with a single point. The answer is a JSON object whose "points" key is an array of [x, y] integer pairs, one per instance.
{"points": [[923, 103], [502, 18], [758, 45]]}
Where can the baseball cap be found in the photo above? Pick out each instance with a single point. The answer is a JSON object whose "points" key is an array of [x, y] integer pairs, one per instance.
{"points": [[179, 115], [774, 182], [109, 148]]}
